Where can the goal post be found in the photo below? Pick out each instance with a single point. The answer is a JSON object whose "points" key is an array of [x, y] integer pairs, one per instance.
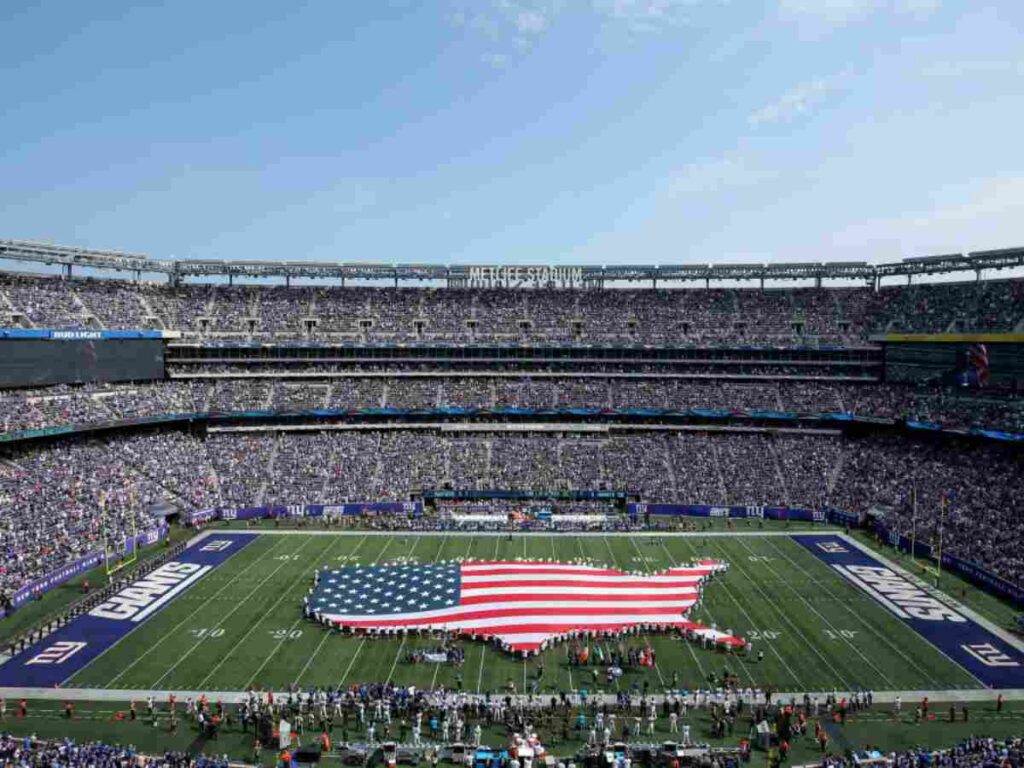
{"points": [[120, 550], [929, 566]]}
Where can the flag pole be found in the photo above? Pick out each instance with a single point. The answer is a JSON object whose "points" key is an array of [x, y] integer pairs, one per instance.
{"points": [[913, 524], [942, 521]]}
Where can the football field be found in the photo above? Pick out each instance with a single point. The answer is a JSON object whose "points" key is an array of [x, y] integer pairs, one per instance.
{"points": [[242, 625]]}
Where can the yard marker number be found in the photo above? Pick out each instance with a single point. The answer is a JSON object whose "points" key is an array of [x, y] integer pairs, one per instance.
{"points": [[286, 634], [840, 634], [203, 633], [764, 634]]}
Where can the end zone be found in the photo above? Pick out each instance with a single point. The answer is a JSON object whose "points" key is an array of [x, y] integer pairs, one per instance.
{"points": [[59, 656], [977, 646]]}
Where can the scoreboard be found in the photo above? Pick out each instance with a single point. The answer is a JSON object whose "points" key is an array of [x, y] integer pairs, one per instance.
{"points": [[31, 362]]}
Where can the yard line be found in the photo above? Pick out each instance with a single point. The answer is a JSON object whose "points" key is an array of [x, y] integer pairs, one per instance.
{"points": [[483, 643], [656, 668], [608, 544], [782, 614], [394, 663], [862, 620], [821, 616], [182, 623], [615, 562], [437, 667], [747, 616], [673, 562], [284, 594], [401, 645], [327, 634], [351, 662], [330, 630], [238, 605]]}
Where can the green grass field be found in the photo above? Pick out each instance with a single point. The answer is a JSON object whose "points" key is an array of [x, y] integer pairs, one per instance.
{"points": [[242, 626]]}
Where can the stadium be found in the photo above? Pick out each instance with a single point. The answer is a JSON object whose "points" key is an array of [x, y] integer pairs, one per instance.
{"points": [[771, 457], [512, 384]]}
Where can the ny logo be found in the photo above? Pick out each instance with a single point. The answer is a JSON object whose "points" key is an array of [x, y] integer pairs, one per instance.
{"points": [[832, 547], [218, 545], [989, 655], [57, 653]]}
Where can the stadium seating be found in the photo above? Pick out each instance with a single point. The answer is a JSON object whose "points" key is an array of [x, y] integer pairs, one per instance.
{"points": [[56, 497], [96, 404], [780, 317], [53, 493]]}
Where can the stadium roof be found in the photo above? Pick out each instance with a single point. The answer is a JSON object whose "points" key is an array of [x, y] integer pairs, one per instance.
{"points": [[69, 257]]}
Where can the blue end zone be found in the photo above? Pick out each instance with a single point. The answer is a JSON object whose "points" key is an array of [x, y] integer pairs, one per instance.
{"points": [[993, 661], [61, 655]]}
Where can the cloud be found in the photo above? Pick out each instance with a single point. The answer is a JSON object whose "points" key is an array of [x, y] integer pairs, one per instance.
{"points": [[508, 28], [716, 174], [530, 22], [952, 69], [793, 103], [977, 216], [649, 16], [832, 14], [494, 59]]}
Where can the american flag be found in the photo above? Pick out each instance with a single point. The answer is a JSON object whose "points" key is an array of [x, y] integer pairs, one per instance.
{"points": [[523, 604], [977, 356]]}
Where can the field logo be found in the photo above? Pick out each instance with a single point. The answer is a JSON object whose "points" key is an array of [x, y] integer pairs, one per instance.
{"points": [[989, 655], [832, 547], [143, 597], [57, 653], [993, 658], [217, 545], [897, 594]]}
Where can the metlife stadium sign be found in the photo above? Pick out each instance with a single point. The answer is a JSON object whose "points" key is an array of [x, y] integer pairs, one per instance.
{"points": [[525, 277]]}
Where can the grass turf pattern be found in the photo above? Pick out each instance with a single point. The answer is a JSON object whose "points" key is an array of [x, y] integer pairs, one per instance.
{"points": [[241, 626]]}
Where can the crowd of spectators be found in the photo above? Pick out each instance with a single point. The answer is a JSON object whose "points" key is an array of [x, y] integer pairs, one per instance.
{"points": [[975, 752], [95, 404], [59, 499], [674, 316], [32, 752]]}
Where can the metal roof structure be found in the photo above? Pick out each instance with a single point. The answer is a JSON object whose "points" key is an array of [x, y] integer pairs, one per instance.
{"points": [[70, 257]]}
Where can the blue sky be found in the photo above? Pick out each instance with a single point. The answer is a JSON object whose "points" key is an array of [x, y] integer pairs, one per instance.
{"points": [[515, 131]]}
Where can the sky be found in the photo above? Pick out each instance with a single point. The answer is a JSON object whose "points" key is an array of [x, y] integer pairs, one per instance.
{"points": [[515, 131]]}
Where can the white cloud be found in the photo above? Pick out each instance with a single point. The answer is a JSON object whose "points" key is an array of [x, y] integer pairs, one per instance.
{"points": [[978, 216], [793, 103], [952, 68], [530, 21], [507, 27], [716, 174], [831, 14], [493, 59], [649, 16]]}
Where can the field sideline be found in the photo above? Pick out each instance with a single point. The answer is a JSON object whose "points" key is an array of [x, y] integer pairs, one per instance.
{"points": [[242, 625]]}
